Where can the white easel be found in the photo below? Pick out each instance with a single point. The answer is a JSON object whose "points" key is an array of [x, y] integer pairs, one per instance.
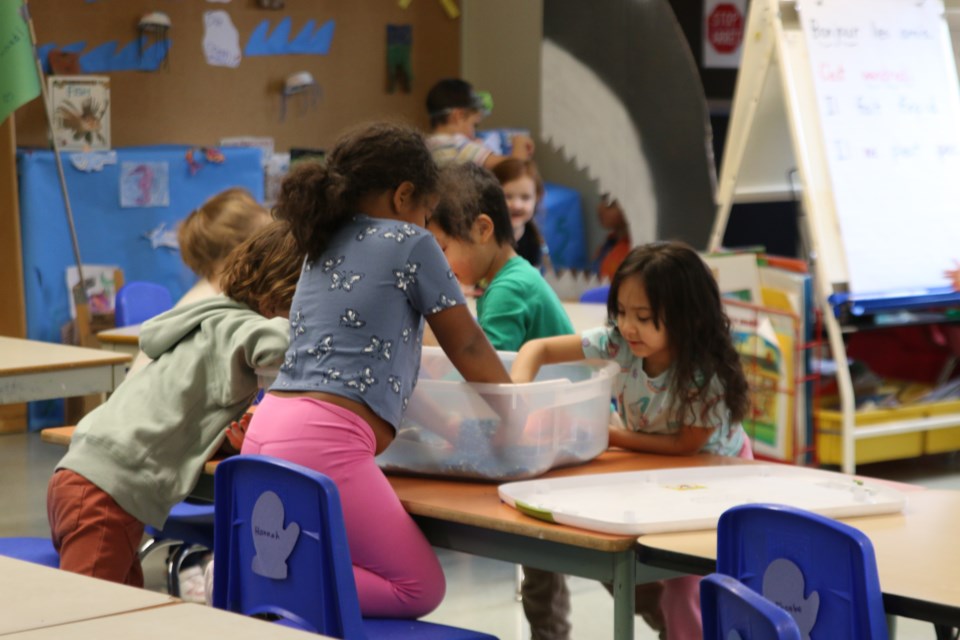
{"points": [[778, 126]]}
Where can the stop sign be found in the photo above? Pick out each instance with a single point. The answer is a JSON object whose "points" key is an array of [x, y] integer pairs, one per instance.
{"points": [[725, 28]]}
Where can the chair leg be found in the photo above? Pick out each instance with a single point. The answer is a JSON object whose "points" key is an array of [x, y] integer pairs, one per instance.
{"points": [[518, 596], [153, 544], [176, 563]]}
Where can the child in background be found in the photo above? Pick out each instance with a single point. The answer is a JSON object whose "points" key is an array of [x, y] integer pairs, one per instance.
{"points": [[681, 390], [473, 226], [523, 189], [617, 243], [371, 276], [207, 236], [455, 110], [135, 456]]}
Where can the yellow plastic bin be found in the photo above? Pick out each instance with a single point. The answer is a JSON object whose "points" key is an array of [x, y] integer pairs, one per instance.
{"points": [[895, 447]]}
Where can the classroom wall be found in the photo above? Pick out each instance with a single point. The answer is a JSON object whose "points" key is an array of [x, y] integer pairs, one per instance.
{"points": [[191, 102]]}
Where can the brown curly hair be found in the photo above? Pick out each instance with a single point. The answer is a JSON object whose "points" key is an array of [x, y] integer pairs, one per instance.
{"points": [[216, 227], [316, 199], [263, 271], [684, 298]]}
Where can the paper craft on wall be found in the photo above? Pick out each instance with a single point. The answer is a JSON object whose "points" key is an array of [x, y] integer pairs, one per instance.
{"points": [[308, 41], [221, 42], [134, 56], [194, 155], [161, 236], [81, 111], [399, 67], [302, 87], [156, 27], [144, 184], [100, 284]]}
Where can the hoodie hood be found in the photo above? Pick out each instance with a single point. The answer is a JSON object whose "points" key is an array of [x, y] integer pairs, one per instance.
{"points": [[162, 333]]}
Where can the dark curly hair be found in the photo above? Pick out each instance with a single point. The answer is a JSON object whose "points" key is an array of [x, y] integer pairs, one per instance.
{"points": [[684, 298], [262, 272], [316, 199], [467, 191]]}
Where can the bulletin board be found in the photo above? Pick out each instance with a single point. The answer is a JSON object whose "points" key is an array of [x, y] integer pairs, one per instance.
{"points": [[188, 101]]}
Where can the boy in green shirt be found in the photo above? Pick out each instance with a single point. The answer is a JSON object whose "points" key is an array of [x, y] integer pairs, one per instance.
{"points": [[472, 225]]}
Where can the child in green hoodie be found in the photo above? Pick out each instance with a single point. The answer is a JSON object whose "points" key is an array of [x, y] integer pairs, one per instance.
{"points": [[134, 457]]}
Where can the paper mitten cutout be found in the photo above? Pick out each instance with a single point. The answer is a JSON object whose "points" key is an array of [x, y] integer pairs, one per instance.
{"points": [[273, 543]]}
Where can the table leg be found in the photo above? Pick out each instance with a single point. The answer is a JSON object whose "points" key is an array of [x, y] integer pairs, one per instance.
{"points": [[624, 583]]}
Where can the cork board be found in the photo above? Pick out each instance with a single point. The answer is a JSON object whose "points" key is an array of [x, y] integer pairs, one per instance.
{"points": [[190, 102]]}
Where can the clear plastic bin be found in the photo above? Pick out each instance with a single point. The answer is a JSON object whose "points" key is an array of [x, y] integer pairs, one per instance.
{"points": [[502, 432]]}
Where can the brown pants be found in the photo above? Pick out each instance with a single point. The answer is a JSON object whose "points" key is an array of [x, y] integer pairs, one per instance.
{"points": [[93, 535]]}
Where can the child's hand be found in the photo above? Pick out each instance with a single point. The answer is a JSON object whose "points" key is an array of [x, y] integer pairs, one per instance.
{"points": [[522, 146], [954, 275], [237, 431]]}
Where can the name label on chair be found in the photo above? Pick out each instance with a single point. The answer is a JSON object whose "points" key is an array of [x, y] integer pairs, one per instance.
{"points": [[273, 542], [784, 585]]}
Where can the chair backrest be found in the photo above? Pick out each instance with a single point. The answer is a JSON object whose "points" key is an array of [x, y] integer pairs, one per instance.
{"points": [[728, 605], [597, 294], [140, 301], [823, 572], [280, 546]]}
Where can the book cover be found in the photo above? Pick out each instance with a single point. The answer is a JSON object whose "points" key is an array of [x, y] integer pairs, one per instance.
{"points": [[80, 106]]}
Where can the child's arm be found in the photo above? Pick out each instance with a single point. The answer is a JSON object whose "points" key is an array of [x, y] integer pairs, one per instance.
{"points": [[467, 347], [686, 442], [536, 353], [954, 275]]}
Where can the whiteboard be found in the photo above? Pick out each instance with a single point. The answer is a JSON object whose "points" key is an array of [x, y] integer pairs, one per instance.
{"points": [[693, 498], [886, 91]]}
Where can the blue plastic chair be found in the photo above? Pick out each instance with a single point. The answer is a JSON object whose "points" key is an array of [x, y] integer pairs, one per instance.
{"points": [[728, 605], [189, 528], [36, 550], [140, 301], [597, 294], [823, 572], [303, 574]]}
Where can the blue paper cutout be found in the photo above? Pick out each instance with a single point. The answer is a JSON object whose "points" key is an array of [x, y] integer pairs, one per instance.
{"points": [[309, 40], [105, 58]]}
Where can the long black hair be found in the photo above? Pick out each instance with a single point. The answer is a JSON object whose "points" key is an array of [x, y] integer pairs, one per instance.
{"points": [[685, 299], [316, 199]]}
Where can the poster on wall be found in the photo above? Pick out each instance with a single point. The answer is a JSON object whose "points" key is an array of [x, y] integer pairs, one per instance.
{"points": [[81, 112], [723, 25]]}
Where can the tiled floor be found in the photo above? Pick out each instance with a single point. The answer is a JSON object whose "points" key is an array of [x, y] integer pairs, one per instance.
{"points": [[480, 592]]}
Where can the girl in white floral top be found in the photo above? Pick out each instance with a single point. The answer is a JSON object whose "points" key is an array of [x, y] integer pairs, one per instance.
{"points": [[681, 389]]}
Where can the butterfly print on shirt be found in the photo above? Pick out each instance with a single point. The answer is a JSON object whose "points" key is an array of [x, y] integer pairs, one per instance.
{"points": [[351, 318], [401, 234], [443, 302], [378, 348], [406, 276], [323, 347], [344, 280]]}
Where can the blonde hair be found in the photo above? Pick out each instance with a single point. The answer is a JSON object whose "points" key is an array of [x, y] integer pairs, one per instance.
{"points": [[262, 272], [213, 229]]}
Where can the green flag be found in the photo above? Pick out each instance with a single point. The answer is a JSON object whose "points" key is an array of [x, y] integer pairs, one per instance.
{"points": [[18, 71]]}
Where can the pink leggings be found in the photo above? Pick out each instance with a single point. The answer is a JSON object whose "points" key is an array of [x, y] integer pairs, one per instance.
{"points": [[396, 571], [680, 601]]}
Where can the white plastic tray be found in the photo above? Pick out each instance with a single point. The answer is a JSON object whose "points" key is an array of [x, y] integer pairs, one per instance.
{"points": [[640, 502]]}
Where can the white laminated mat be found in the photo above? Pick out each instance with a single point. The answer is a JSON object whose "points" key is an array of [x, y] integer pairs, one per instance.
{"points": [[640, 502]]}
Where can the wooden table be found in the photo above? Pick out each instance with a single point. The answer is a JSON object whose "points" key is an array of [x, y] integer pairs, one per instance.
{"points": [[44, 603], [122, 340], [32, 370], [918, 556], [181, 620], [35, 596], [469, 517], [916, 552]]}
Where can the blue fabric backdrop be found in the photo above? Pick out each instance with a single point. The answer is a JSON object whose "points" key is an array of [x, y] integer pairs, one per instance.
{"points": [[107, 233]]}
